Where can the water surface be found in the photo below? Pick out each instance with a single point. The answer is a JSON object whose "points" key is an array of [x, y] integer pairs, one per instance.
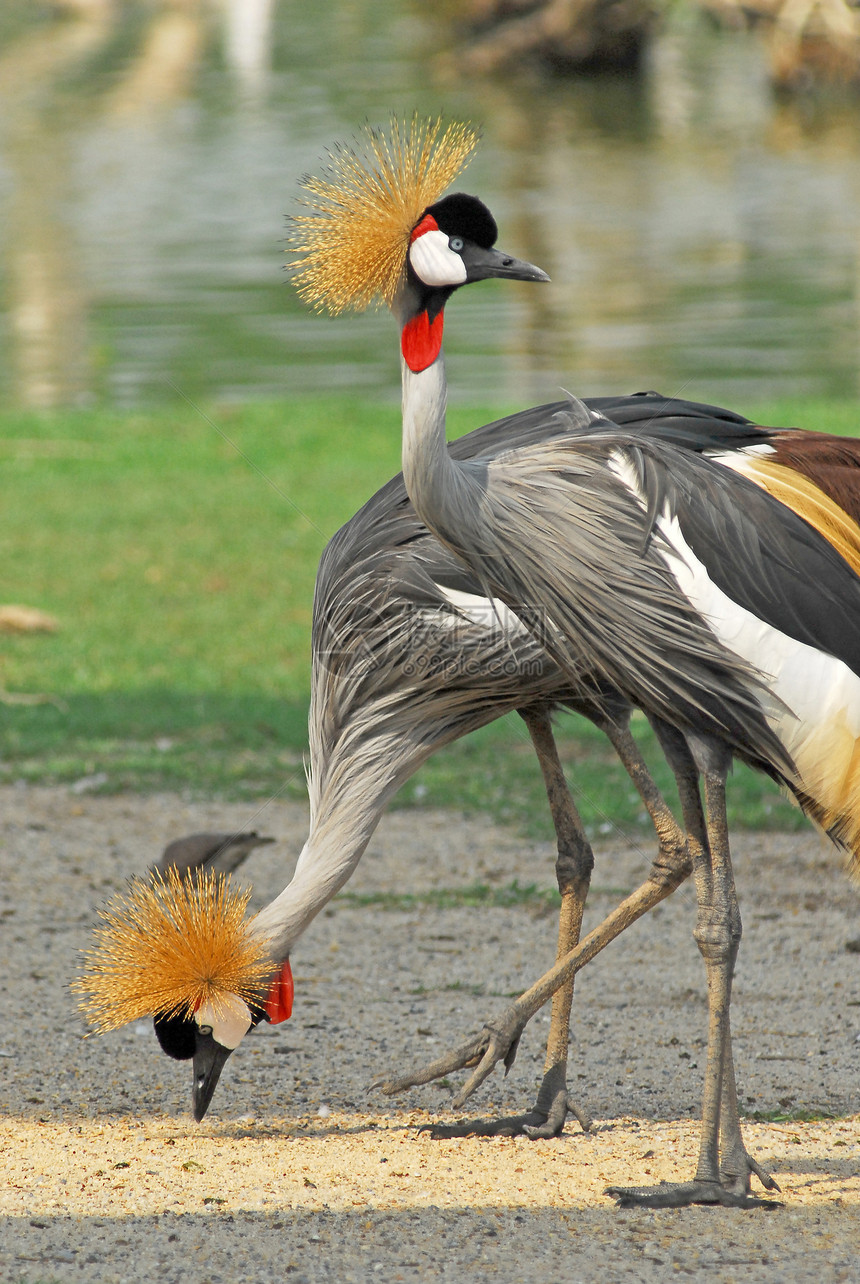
{"points": [[702, 237]]}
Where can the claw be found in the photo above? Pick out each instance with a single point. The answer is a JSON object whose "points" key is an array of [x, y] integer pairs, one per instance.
{"points": [[553, 1124], [737, 1166], [492, 1045], [764, 1177], [501, 1046]]}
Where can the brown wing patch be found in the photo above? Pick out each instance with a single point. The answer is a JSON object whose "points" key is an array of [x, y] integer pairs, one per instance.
{"points": [[831, 463], [804, 496]]}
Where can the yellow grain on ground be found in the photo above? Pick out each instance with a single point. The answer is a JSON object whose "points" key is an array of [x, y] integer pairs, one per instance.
{"points": [[147, 1167]]}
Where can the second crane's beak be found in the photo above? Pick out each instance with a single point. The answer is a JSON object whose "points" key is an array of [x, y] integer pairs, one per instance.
{"points": [[481, 265], [209, 1059]]}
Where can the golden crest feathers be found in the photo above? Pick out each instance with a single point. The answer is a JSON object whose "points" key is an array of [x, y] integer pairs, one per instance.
{"points": [[350, 249], [168, 944]]}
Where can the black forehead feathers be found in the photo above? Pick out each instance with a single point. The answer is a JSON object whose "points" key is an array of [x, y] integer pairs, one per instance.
{"points": [[177, 1036], [466, 216]]}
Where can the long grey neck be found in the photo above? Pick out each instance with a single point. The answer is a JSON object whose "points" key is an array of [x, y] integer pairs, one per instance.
{"points": [[332, 851], [438, 487], [359, 783], [353, 786]]}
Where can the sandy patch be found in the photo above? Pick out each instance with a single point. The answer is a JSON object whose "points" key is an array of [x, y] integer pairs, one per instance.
{"points": [[299, 1174]]}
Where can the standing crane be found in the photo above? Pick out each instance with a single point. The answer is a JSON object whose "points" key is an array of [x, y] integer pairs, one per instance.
{"points": [[680, 583], [815, 474]]}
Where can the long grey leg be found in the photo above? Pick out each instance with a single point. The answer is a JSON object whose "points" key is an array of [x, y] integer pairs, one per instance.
{"points": [[736, 1163], [717, 934], [573, 866], [672, 855], [499, 1039]]}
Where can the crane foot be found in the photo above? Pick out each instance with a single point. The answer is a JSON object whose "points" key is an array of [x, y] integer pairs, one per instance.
{"points": [[682, 1194], [495, 1043], [543, 1122], [555, 1104], [732, 1190]]}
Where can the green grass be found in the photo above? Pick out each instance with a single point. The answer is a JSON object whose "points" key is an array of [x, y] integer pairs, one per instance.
{"points": [[178, 552], [178, 549]]}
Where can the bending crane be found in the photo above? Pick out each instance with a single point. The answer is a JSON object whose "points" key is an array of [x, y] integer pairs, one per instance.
{"points": [[408, 657]]}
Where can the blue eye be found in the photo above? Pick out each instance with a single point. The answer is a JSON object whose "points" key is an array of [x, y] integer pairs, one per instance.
{"points": [[456, 243]]}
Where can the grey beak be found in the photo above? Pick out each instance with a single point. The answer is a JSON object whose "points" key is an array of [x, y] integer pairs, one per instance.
{"points": [[482, 264], [209, 1059]]}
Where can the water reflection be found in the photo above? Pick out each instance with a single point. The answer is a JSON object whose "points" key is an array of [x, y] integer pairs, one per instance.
{"points": [[248, 40], [700, 236]]}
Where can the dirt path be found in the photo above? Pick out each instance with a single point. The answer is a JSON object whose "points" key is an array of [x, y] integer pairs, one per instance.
{"points": [[299, 1174]]}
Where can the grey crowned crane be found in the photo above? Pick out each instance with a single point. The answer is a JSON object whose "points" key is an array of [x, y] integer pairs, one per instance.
{"points": [[407, 657], [387, 591], [679, 583]]}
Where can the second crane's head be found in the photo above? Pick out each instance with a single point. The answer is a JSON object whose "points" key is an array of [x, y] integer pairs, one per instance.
{"points": [[184, 951], [378, 229]]}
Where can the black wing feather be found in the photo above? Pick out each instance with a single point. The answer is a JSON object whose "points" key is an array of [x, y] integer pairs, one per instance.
{"points": [[763, 556]]}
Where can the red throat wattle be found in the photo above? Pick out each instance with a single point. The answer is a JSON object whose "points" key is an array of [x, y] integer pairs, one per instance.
{"points": [[421, 341], [279, 1003]]}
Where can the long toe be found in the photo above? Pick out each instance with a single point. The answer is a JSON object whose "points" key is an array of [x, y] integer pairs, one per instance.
{"points": [[666, 1195], [543, 1122], [513, 1126], [684, 1193], [466, 1055]]}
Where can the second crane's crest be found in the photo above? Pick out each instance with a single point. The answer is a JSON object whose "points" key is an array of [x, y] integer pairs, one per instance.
{"points": [[168, 945], [350, 248]]}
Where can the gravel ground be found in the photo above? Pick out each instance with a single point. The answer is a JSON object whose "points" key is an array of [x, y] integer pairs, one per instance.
{"points": [[299, 1173]]}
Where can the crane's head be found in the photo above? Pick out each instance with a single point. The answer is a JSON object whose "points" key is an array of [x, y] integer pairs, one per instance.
{"points": [[379, 229], [184, 952]]}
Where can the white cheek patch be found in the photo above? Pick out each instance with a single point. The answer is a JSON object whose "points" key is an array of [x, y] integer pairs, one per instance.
{"points": [[229, 1018], [434, 262]]}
